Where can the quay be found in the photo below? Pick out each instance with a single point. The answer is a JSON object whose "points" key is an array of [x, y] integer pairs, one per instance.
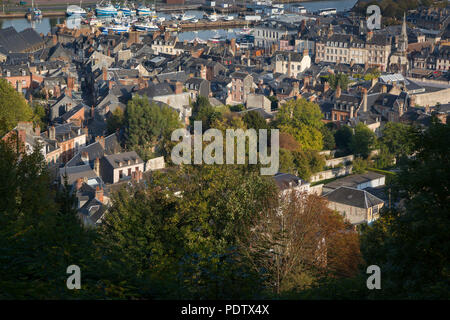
{"points": [[205, 24]]}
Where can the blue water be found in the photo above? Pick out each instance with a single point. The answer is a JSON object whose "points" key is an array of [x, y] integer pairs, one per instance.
{"points": [[44, 25]]}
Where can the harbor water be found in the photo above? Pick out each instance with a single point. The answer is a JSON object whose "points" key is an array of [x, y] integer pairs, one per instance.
{"points": [[45, 24]]}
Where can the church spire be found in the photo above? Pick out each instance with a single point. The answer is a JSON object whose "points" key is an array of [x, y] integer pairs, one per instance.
{"points": [[403, 41]]}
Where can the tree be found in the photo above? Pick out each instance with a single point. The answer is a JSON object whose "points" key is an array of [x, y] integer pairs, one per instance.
{"points": [[363, 141], [360, 165], [287, 164], [288, 142], [203, 111], [339, 79], [328, 138], [148, 125], [303, 120], [398, 138], [14, 108], [411, 243], [115, 121], [254, 120], [307, 163], [184, 234], [40, 235], [300, 242], [343, 138]]}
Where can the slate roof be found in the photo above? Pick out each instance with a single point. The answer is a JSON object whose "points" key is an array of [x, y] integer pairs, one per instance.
{"points": [[117, 158], [283, 180], [354, 180], [13, 41], [353, 197]]}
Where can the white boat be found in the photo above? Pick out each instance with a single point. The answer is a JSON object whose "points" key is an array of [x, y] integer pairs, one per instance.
{"points": [[216, 38], [116, 29], [105, 10], [213, 17], [228, 18], [35, 11], [195, 20], [144, 11], [146, 26], [185, 17], [161, 19], [245, 31], [74, 10]]}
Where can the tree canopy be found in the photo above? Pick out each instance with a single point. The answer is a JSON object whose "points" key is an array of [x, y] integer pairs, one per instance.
{"points": [[14, 108], [303, 120]]}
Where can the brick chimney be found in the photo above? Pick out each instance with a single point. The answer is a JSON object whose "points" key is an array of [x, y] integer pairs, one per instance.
{"points": [[203, 71], [101, 141], [54, 39], [92, 112], [79, 184], [338, 92], [68, 92], [233, 46], [85, 157], [105, 73], [99, 194], [97, 166]]}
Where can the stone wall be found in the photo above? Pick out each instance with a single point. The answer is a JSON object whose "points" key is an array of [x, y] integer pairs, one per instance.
{"points": [[332, 173]]}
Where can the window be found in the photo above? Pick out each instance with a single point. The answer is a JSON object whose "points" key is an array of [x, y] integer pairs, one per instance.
{"points": [[129, 171], [120, 174]]}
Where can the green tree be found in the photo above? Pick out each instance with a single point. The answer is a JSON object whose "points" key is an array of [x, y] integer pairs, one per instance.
{"points": [[411, 244], [115, 121], [343, 137], [303, 120], [398, 138], [254, 120], [149, 126], [328, 138], [203, 111], [363, 141], [308, 162], [14, 108]]}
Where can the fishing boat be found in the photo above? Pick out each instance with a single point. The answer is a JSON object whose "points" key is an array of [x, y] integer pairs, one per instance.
{"points": [[74, 10], [115, 29], [35, 11], [213, 17], [126, 11], [216, 38], [185, 17], [145, 11], [146, 26], [245, 31], [105, 10]]}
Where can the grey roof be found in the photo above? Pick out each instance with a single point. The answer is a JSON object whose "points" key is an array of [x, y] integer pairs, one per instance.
{"points": [[353, 197], [155, 90], [287, 180], [116, 159], [354, 180], [73, 173]]}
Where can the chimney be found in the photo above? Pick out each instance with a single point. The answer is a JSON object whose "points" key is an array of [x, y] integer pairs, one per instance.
{"points": [[305, 52], [85, 157], [166, 36], [326, 86], [99, 194], [178, 87], [383, 89], [68, 92], [364, 97], [97, 166], [338, 92], [203, 71], [79, 184], [369, 35], [37, 130], [352, 111], [295, 89], [110, 84], [70, 82], [54, 39], [233, 46], [92, 112], [51, 133], [105, 73], [101, 141]]}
